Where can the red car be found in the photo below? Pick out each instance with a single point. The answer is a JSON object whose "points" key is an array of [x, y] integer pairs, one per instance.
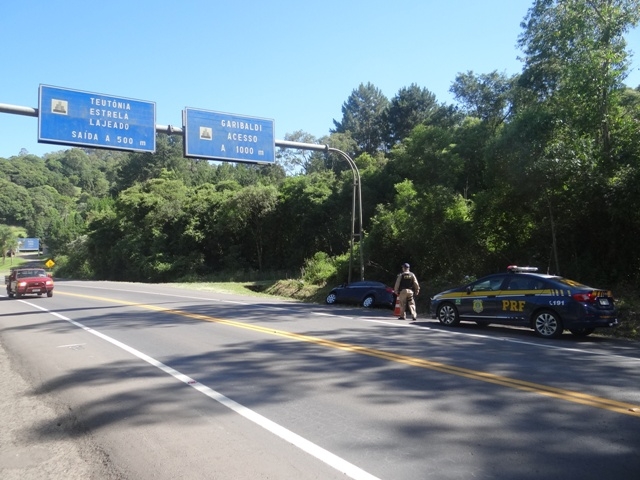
{"points": [[29, 281]]}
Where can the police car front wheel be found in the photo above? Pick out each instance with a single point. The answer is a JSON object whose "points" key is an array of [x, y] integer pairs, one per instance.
{"points": [[448, 315], [547, 324]]}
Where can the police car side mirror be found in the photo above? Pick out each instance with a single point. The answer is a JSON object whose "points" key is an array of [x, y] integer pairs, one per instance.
{"points": [[468, 288]]}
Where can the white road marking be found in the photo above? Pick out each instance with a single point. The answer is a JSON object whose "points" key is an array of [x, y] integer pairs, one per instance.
{"points": [[352, 471]]}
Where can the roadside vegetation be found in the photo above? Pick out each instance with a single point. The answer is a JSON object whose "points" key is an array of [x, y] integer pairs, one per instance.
{"points": [[539, 168]]}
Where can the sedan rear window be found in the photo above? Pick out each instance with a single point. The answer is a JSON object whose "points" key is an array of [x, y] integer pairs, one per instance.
{"points": [[570, 283]]}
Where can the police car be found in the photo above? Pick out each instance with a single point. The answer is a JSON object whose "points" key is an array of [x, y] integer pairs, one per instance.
{"points": [[548, 304]]}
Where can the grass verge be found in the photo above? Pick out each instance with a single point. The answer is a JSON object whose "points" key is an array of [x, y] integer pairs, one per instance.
{"points": [[281, 289]]}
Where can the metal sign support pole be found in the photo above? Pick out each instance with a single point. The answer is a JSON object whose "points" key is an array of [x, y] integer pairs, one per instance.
{"points": [[356, 189]]}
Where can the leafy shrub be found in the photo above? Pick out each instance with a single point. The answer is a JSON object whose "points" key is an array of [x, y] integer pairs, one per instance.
{"points": [[341, 263], [318, 269]]}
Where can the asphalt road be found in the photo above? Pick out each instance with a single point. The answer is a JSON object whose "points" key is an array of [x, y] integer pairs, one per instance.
{"points": [[133, 381]]}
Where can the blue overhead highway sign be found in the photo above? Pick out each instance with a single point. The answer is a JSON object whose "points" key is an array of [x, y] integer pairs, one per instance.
{"points": [[28, 244], [73, 117], [227, 136]]}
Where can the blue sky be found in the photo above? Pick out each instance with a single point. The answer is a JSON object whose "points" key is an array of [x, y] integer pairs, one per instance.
{"points": [[295, 62]]}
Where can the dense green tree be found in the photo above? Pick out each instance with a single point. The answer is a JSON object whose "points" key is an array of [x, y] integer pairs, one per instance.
{"points": [[8, 241], [248, 174], [140, 167], [82, 169], [410, 107], [431, 229], [15, 203], [26, 171], [107, 161], [142, 237], [248, 211], [576, 59], [307, 220], [427, 157], [46, 201], [363, 116], [62, 230], [575, 64], [206, 224], [152, 217], [484, 96], [107, 254]]}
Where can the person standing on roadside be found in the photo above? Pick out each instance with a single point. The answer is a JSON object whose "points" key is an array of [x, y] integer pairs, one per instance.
{"points": [[406, 288]]}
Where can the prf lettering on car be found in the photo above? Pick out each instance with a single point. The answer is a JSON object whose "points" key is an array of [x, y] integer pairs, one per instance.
{"points": [[513, 305]]}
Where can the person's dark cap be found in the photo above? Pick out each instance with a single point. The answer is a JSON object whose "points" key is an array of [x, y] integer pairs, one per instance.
{"points": [[405, 265]]}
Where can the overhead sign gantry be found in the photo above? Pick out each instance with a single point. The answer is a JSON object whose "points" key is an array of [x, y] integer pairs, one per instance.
{"points": [[74, 117]]}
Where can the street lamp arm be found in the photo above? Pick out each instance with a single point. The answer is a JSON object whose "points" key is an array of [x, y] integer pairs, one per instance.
{"points": [[302, 146]]}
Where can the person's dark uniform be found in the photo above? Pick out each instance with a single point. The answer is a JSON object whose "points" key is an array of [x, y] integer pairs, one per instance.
{"points": [[407, 288]]}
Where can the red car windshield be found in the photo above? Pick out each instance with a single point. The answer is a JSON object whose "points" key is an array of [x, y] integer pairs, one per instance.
{"points": [[30, 273]]}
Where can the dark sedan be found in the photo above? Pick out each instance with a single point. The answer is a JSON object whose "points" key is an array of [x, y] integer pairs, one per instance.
{"points": [[548, 304], [366, 293]]}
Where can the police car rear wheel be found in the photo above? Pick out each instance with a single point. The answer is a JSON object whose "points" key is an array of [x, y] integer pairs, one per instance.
{"points": [[547, 324], [448, 315]]}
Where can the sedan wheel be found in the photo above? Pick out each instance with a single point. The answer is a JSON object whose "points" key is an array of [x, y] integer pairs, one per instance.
{"points": [[547, 324], [331, 298], [448, 315], [368, 302]]}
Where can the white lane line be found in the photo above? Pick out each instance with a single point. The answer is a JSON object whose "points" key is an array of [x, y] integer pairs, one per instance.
{"points": [[302, 443], [332, 315]]}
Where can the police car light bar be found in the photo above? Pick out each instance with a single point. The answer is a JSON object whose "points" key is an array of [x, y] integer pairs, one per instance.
{"points": [[515, 268]]}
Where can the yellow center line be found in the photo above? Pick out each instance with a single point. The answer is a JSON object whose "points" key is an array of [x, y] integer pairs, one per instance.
{"points": [[558, 393]]}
